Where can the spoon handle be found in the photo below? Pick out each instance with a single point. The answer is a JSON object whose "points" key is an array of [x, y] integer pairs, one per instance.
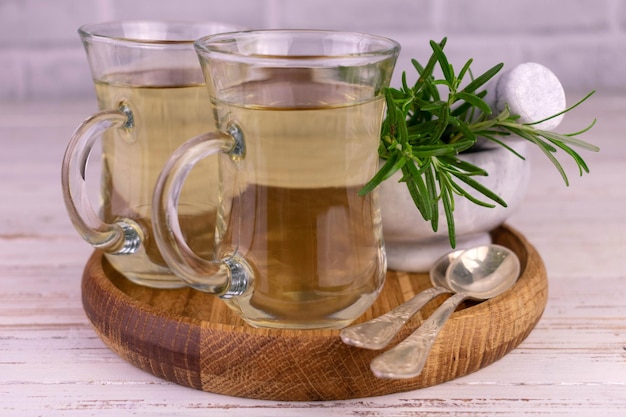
{"points": [[408, 358], [378, 332]]}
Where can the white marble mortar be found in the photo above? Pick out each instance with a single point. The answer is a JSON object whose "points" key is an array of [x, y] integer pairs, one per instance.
{"points": [[411, 244]]}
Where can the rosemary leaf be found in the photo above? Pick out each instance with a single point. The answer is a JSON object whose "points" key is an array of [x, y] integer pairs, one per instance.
{"points": [[448, 207], [556, 137], [483, 79], [431, 184], [465, 69], [475, 101], [390, 167], [481, 189], [443, 62], [417, 189]]}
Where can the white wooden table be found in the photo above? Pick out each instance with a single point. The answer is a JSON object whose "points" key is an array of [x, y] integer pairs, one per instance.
{"points": [[573, 363]]}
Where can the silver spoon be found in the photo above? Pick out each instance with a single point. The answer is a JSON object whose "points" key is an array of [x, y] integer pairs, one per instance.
{"points": [[478, 273], [378, 332]]}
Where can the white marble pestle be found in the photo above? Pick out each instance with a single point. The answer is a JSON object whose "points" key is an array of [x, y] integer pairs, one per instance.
{"points": [[531, 91]]}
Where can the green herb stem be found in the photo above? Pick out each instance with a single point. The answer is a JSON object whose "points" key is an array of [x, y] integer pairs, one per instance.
{"points": [[423, 133]]}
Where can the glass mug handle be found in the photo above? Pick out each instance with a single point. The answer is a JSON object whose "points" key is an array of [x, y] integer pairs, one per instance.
{"points": [[228, 277], [125, 235]]}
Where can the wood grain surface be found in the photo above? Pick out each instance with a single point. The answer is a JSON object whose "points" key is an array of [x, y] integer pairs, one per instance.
{"points": [[193, 339]]}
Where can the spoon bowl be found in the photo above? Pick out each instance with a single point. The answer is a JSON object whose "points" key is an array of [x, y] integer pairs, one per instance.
{"points": [[479, 273], [437, 273]]}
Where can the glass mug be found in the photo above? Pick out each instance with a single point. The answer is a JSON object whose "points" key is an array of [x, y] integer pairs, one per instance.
{"points": [[151, 96], [298, 118]]}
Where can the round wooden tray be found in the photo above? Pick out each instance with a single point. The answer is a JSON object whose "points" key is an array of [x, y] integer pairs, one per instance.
{"points": [[193, 339]]}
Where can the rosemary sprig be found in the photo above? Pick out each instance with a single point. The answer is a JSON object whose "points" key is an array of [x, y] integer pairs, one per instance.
{"points": [[424, 131]]}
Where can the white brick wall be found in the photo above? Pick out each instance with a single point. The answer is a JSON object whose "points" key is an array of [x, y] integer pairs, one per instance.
{"points": [[582, 41]]}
